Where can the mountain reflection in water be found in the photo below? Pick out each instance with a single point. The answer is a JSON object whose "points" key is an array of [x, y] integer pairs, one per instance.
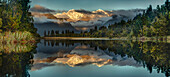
{"points": [[70, 58], [149, 55]]}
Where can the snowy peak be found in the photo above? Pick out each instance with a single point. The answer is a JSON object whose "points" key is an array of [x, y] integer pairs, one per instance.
{"points": [[72, 10], [100, 11], [83, 15]]}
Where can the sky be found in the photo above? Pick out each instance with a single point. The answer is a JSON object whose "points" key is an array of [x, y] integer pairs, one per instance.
{"points": [[97, 4]]}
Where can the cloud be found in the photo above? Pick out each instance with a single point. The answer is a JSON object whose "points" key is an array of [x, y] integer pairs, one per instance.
{"points": [[82, 56], [83, 19], [38, 8], [43, 19], [123, 15], [98, 22]]}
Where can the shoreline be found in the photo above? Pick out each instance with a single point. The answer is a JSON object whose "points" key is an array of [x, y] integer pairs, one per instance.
{"points": [[80, 38], [143, 39]]}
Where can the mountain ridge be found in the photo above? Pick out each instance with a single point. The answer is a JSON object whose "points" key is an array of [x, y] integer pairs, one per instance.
{"points": [[38, 8]]}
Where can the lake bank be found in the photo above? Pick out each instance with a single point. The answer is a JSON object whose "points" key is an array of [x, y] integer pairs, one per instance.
{"points": [[144, 39], [82, 38]]}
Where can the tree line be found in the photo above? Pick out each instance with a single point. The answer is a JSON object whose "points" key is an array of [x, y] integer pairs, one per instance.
{"points": [[153, 22], [150, 23], [15, 16], [152, 55]]}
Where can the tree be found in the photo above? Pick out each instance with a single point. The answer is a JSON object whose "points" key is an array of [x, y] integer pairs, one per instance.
{"points": [[52, 33], [0, 24], [138, 25], [62, 32], [91, 31], [72, 32], [103, 28], [167, 5], [110, 33], [149, 10], [45, 34], [161, 25], [48, 33], [95, 28], [15, 16], [158, 8], [56, 32], [26, 19]]}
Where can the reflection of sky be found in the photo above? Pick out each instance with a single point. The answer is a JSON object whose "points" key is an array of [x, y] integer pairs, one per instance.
{"points": [[42, 54], [94, 71], [120, 67], [96, 4]]}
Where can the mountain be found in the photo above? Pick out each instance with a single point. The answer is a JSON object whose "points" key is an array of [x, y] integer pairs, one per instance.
{"points": [[100, 11], [83, 15], [38, 8], [76, 55], [82, 19], [47, 15]]}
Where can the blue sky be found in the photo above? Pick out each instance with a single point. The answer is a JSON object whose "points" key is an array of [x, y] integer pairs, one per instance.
{"points": [[97, 4]]}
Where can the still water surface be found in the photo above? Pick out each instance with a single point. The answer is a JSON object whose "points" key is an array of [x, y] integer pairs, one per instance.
{"points": [[64, 58]]}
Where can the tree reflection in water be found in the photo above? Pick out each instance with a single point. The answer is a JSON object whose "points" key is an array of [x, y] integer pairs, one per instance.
{"points": [[16, 59], [153, 55]]}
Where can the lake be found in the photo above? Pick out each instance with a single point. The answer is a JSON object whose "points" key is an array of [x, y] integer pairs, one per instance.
{"points": [[78, 58]]}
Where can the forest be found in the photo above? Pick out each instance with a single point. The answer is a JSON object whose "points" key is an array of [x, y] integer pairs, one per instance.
{"points": [[16, 22], [150, 23]]}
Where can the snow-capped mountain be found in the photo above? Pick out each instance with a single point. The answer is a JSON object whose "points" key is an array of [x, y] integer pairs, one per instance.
{"points": [[82, 19], [77, 55], [100, 11], [83, 15]]}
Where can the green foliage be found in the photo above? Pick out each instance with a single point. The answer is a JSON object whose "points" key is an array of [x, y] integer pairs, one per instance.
{"points": [[149, 24], [152, 55], [153, 22], [16, 59], [0, 24], [15, 16]]}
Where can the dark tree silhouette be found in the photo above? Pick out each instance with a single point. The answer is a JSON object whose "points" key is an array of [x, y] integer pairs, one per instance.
{"points": [[103, 28], [48, 33], [52, 33], [45, 34], [62, 32], [95, 28], [72, 32], [56, 32]]}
